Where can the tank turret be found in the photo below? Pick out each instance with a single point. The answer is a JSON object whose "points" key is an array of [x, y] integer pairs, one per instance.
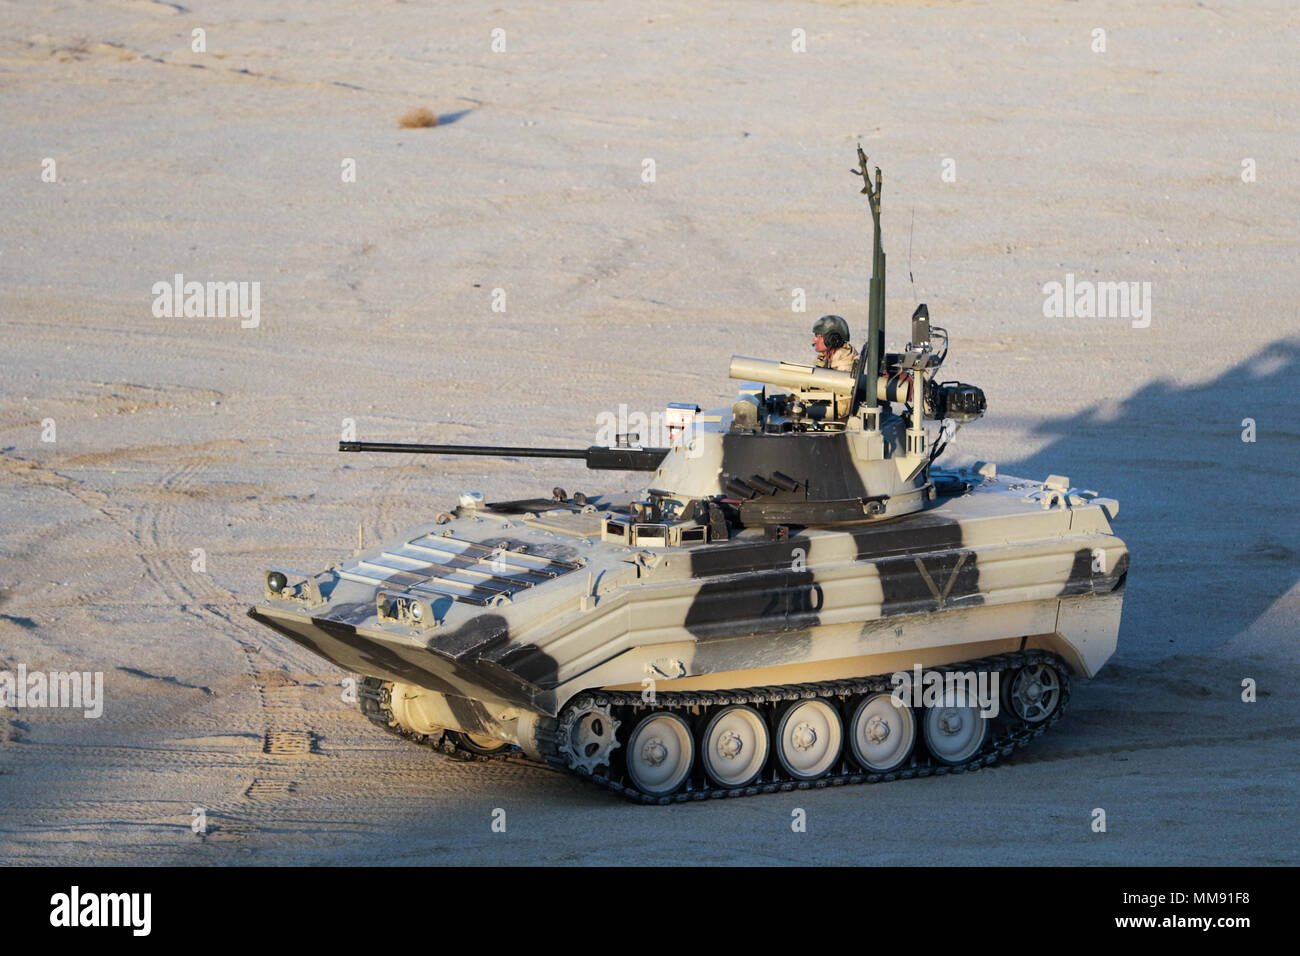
{"points": [[832, 449]]}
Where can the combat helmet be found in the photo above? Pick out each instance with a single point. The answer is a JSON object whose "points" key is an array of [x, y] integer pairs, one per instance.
{"points": [[833, 330]]}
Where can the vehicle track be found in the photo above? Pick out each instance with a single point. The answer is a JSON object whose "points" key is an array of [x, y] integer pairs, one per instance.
{"points": [[1003, 738]]}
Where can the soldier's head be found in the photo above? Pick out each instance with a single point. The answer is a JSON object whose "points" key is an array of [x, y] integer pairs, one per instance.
{"points": [[830, 332]]}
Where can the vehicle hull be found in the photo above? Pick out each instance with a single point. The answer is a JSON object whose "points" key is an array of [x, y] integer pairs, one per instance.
{"points": [[1005, 566]]}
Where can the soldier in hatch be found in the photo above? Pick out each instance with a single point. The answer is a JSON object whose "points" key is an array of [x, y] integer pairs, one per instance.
{"points": [[831, 340]]}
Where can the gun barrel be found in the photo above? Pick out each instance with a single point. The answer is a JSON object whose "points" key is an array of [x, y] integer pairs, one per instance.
{"points": [[596, 457], [495, 451], [791, 375]]}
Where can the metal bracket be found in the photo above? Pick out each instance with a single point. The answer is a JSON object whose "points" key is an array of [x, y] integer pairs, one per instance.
{"points": [[646, 561]]}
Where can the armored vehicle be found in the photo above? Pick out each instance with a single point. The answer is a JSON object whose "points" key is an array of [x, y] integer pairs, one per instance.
{"points": [[799, 597]]}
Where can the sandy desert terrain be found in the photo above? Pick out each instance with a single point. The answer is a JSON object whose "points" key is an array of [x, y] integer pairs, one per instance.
{"points": [[1019, 151]]}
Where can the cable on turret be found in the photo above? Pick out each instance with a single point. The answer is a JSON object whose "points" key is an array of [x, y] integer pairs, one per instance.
{"points": [[946, 432], [944, 354]]}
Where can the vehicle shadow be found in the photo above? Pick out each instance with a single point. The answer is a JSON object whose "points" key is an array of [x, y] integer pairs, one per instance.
{"points": [[1207, 514]]}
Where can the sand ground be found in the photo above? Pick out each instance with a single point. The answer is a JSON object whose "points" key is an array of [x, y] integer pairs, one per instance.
{"points": [[175, 434]]}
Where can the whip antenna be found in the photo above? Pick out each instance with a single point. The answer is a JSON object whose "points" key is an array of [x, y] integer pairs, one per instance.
{"points": [[909, 252]]}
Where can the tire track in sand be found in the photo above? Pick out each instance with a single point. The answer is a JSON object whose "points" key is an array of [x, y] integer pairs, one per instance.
{"points": [[158, 533]]}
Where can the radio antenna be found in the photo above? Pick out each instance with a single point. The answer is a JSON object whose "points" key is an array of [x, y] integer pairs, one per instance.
{"points": [[909, 252]]}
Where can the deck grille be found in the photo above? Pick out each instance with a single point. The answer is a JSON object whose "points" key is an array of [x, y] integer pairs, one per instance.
{"points": [[467, 571]]}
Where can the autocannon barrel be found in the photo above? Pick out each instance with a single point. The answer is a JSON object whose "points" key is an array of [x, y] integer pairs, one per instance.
{"points": [[597, 457], [791, 375]]}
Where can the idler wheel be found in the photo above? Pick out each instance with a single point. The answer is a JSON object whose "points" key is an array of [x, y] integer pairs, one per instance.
{"points": [[1034, 692], [881, 733], [660, 753], [734, 746], [809, 738]]}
